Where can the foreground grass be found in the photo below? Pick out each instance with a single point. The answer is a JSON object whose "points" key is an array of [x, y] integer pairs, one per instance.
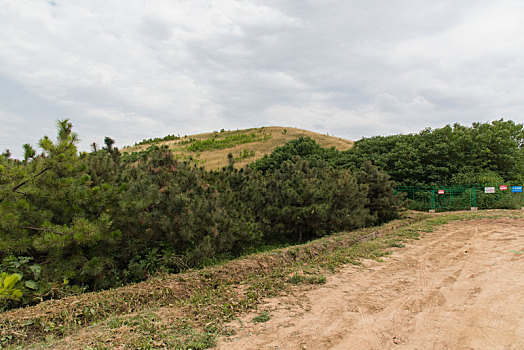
{"points": [[190, 310]]}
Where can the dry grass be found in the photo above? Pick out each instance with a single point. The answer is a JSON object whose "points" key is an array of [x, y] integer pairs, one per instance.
{"points": [[276, 136]]}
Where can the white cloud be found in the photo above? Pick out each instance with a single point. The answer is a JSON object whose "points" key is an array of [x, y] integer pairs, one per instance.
{"points": [[135, 69]]}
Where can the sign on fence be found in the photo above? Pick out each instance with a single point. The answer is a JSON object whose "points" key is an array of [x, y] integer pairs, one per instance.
{"points": [[440, 191], [503, 187], [516, 189], [489, 189]]}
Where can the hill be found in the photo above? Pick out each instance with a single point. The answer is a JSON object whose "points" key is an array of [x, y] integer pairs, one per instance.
{"points": [[210, 150]]}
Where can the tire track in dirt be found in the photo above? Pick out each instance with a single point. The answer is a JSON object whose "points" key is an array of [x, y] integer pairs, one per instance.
{"points": [[458, 287]]}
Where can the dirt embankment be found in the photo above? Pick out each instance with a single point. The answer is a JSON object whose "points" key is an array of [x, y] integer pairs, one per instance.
{"points": [[460, 287]]}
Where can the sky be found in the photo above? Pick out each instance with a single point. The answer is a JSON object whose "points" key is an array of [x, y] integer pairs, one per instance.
{"points": [[138, 69]]}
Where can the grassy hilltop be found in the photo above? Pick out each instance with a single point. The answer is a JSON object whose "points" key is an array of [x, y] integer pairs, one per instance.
{"points": [[210, 150]]}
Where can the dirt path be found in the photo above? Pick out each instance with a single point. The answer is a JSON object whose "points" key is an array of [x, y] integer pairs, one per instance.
{"points": [[460, 287]]}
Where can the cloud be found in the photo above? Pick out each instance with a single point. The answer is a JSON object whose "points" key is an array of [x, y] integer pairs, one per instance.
{"points": [[135, 69]]}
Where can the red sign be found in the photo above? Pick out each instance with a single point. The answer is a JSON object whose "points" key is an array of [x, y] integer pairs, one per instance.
{"points": [[440, 191], [503, 187]]}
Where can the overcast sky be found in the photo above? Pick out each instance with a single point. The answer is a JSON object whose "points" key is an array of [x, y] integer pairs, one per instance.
{"points": [[138, 69]]}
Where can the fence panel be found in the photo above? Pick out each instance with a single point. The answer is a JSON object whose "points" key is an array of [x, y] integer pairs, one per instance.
{"points": [[446, 198]]}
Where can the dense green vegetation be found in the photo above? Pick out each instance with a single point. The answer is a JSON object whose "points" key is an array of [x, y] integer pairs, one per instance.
{"points": [[151, 141], [483, 153], [226, 142], [72, 222]]}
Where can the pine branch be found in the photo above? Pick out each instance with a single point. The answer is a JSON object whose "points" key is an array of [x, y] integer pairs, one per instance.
{"points": [[20, 192], [42, 229], [25, 182]]}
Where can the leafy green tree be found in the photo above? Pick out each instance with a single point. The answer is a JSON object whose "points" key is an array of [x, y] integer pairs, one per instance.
{"points": [[436, 157], [42, 211], [109, 142], [303, 147], [29, 152], [173, 207], [382, 202], [304, 202], [6, 154]]}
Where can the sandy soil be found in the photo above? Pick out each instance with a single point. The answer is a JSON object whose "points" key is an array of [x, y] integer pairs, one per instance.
{"points": [[460, 287]]}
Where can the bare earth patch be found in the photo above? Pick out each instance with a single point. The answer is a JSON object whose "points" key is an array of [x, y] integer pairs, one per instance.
{"points": [[459, 287]]}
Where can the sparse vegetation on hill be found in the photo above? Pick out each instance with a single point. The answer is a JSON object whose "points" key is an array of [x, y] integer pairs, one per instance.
{"points": [[228, 141], [213, 155]]}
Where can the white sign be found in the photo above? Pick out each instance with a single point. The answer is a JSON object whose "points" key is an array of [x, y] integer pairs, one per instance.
{"points": [[489, 189]]}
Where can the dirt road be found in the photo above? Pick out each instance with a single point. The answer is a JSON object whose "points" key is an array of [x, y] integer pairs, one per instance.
{"points": [[460, 287]]}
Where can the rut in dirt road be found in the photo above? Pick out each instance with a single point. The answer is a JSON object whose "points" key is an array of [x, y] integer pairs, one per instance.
{"points": [[460, 287]]}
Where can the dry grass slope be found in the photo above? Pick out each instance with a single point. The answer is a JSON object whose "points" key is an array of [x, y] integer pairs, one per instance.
{"points": [[270, 138]]}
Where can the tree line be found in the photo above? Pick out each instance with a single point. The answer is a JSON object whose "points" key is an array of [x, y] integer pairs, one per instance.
{"points": [[72, 222], [485, 153]]}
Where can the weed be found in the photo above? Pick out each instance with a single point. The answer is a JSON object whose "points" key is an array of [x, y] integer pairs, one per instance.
{"points": [[264, 316], [116, 322], [245, 154], [200, 340], [301, 279]]}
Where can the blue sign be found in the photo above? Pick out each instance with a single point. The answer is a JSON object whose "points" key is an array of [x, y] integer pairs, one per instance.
{"points": [[516, 189]]}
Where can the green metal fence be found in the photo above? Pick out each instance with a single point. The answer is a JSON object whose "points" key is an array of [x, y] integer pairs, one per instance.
{"points": [[445, 198]]}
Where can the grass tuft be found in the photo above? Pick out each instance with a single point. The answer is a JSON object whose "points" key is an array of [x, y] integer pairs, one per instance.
{"points": [[264, 316], [301, 279]]}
